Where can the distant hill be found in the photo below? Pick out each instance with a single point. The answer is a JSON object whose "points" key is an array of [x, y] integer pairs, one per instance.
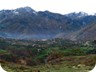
{"points": [[26, 23], [87, 33]]}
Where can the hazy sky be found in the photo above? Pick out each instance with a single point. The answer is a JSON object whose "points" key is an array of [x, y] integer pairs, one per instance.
{"points": [[58, 6]]}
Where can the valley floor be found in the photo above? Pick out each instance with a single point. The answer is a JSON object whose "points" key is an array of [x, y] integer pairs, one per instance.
{"points": [[69, 64]]}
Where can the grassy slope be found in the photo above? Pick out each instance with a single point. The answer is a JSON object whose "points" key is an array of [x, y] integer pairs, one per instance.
{"points": [[72, 64]]}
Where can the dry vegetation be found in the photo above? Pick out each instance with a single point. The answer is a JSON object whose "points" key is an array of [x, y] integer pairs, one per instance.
{"points": [[40, 56]]}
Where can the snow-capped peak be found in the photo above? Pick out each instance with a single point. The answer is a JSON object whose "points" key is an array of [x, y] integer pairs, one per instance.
{"points": [[77, 15], [15, 12], [26, 9]]}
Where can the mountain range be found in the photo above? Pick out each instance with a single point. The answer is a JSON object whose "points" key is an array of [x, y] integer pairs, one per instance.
{"points": [[26, 23]]}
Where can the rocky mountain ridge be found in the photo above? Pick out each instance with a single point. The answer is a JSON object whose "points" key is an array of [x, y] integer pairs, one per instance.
{"points": [[26, 23]]}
